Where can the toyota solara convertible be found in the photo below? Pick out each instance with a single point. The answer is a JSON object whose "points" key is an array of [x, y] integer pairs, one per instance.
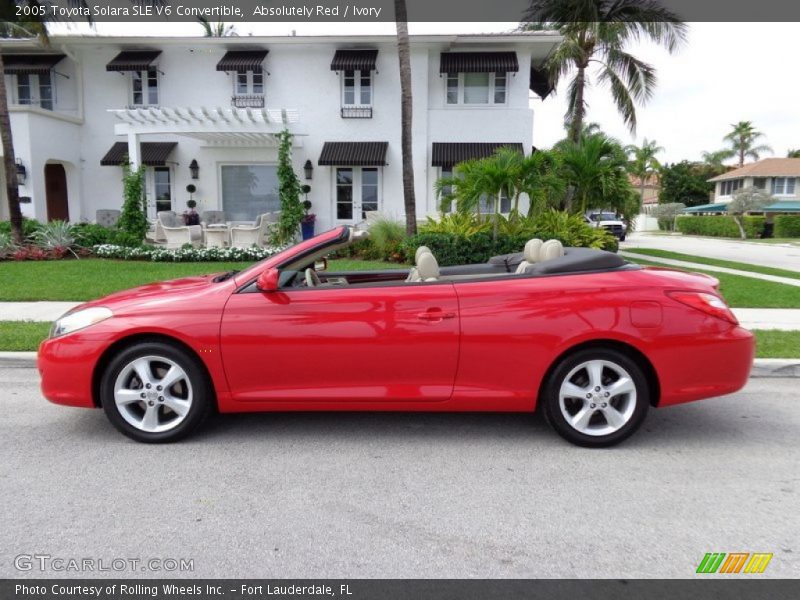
{"points": [[590, 340]]}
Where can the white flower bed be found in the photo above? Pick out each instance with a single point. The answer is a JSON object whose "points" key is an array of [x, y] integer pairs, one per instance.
{"points": [[185, 254]]}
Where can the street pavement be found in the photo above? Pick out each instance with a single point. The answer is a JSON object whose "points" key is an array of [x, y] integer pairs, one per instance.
{"points": [[404, 495], [757, 253]]}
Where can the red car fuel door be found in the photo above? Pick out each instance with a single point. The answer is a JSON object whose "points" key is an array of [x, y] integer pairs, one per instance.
{"points": [[380, 343]]}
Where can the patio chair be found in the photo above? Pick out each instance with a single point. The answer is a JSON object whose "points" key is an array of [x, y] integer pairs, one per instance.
{"points": [[213, 217], [176, 234], [106, 217], [244, 236], [156, 233]]}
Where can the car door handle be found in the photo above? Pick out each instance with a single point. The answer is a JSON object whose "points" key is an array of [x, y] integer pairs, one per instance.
{"points": [[435, 315]]}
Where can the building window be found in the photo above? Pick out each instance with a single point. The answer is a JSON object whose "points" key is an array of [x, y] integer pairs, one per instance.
{"points": [[248, 89], [760, 183], [476, 89], [446, 173], [162, 188], [783, 186], [35, 90], [486, 203], [729, 187], [357, 94], [144, 88], [249, 190], [357, 193]]}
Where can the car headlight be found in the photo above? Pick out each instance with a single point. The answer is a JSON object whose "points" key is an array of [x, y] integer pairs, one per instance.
{"points": [[79, 320]]}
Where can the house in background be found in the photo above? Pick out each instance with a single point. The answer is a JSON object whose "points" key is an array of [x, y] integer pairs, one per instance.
{"points": [[652, 190], [206, 111], [778, 177]]}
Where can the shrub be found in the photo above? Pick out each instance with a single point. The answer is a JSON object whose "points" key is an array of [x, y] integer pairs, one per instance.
{"points": [[6, 245], [29, 226], [92, 234], [289, 190], [133, 219], [185, 254], [118, 237], [386, 236], [787, 226], [55, 236], [720, 226], [456, 249]]}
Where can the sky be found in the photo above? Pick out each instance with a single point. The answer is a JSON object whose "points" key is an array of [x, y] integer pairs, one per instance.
{"points": [[725, 73]]}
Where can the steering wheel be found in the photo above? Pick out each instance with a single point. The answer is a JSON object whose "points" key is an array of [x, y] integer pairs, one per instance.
{"points": [[312, 279]]}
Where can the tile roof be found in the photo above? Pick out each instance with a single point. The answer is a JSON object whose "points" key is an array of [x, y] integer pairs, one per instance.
{"points": [[767, 167]]}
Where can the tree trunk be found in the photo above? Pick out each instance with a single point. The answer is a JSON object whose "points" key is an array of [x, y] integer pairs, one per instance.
{"points": [[576, 121], [641, 197], [9, 162], [741, 156], [404, 54], [738, 221]]}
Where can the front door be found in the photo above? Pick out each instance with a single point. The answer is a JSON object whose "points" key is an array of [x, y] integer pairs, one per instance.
{"points": [[357, 192], [343, 346], [159, 192], [55, 188]]}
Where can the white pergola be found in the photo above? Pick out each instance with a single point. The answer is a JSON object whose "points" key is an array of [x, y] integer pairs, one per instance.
{"points": [[215, 126]]}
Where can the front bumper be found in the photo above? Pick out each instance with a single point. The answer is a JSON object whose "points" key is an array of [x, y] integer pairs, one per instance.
{"points": [[66, 365]]}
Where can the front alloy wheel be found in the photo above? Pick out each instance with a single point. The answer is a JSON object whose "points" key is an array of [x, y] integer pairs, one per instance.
{"points": [[596, 397], [155, 392]]}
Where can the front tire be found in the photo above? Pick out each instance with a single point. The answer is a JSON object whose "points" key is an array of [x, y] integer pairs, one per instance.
{"points": [[596, 397], [154, 392]]}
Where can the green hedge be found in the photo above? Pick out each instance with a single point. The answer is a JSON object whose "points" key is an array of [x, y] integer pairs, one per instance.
{"points": [[453, 249], [721, 226], [787, 226]]}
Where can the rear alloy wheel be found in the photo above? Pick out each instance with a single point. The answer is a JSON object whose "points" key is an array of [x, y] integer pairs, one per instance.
{"points": [[596, 397], [155, 392]]}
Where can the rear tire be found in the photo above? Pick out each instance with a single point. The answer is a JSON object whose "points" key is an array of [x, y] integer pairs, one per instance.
{"points": [[154, 392], [596, 397]]}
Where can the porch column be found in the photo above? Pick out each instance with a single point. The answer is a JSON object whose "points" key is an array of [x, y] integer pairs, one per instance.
{"points": [[134, 151]]}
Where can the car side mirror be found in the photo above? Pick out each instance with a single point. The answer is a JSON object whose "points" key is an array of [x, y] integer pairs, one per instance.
{"points": [[268, 280], [321, 264]]}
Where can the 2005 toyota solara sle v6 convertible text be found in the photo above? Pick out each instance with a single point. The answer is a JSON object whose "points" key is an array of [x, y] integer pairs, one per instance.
{"points": [[584, 336]]}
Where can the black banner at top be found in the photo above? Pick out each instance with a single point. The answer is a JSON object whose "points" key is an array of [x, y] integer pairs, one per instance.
{"points": [[360, 11]]}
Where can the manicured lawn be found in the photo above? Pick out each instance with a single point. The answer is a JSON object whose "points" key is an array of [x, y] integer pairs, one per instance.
{"points": [[746, 292], [717, 262], [350, 264], [90, 278], [26, 336]]}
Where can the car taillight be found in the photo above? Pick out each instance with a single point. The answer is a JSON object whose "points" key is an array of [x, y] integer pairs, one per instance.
{"points": [[707, 303]]}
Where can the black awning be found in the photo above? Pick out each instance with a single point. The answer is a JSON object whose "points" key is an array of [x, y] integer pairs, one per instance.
{"points": [[30, 64], [452, 153], [133, 60], [353, 154], [354, 60], [478, 62], [242, 61], [540, 83], [154, 154]]}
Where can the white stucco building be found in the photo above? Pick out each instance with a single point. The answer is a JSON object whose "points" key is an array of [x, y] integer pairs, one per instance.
{"points": [[204, 111]]}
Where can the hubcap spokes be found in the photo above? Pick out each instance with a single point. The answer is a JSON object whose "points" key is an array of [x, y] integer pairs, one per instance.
{"points": [[597, 397], [153, 394]]}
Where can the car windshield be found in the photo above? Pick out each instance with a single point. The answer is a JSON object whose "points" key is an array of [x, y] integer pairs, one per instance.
{"points": [[604, 217]]}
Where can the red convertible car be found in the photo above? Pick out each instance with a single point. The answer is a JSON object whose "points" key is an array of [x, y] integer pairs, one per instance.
{"points": [[590, 340]]}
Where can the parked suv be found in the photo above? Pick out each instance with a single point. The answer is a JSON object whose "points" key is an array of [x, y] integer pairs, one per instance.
{"points": [[608, 221]]}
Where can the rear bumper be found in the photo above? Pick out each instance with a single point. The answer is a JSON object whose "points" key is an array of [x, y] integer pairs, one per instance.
{"points": [[718, 364], [66, 367]]}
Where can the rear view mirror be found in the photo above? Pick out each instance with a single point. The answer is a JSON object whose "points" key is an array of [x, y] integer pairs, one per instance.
{"points": [[321, 264], [268, 280]]}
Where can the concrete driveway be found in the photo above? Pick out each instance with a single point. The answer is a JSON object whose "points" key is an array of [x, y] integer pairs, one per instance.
{"points": [[393, 495], [768, 255]]}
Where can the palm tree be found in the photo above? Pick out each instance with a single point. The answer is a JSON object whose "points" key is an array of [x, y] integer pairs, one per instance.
{"points": [[539, 177], [742, 138], [643, 163], [404, 55], [716, 159], [218, 29], [792, 153], [595, 168], [596, 33]]}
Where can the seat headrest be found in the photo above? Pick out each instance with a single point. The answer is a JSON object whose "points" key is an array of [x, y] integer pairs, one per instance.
{"points": [[427, 267], [533, 249], [420, 251], [551, 249]]}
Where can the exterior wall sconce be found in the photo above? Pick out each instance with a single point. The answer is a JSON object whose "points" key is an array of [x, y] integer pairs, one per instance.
{"points": [[195, 169], [22, 173], [309, 169]]}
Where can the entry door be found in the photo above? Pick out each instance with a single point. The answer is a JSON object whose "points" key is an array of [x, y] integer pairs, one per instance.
{"points": [[342, 345], [55, 186], [356, 192], [160, 192]]}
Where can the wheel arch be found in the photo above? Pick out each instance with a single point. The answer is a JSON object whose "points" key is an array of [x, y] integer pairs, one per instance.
{"points": [[137, 338], [653, 384]]}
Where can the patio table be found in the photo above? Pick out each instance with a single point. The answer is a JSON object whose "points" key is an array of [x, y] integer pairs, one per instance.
{"points": [[216, 235]]}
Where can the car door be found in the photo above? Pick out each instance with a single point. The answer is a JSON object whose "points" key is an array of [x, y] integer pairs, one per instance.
{"points": [[363, 343]]}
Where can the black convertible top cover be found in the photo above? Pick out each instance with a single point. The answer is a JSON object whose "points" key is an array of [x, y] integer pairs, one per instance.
{"points": [[578, 259]]}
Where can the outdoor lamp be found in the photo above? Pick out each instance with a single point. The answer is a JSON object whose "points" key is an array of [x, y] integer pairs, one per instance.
{"points": [[309, 169], [195, 169], [22, 173]]}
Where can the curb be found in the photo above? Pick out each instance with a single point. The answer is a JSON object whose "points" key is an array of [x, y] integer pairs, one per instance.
{"points": [[762, 367]]}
